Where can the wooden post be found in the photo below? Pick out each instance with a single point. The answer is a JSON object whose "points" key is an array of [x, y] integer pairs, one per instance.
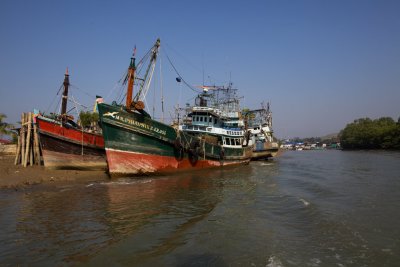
{"points": [[22, 133], [28, 139], [36, 144], [18, 154], [31, 147]]}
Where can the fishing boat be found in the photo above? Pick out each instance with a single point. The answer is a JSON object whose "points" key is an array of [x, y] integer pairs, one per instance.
{"points": [[65, 144], [216, 117], [260, 133], [137, 144]]}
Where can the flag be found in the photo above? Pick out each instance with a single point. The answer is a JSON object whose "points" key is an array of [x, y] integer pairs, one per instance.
{"points": [[134, 51], [99, 99]]}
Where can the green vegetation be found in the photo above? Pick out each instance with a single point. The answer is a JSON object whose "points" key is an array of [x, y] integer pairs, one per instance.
{"points": [[4, 127], [383, 133], [87, 118]]}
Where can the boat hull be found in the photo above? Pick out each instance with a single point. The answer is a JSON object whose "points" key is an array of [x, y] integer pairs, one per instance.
{"points": [[135, 145], [69, 148], [265, 151], [125, 163]]}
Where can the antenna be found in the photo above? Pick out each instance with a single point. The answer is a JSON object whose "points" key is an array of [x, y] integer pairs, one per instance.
{"points": [[202, 61]]}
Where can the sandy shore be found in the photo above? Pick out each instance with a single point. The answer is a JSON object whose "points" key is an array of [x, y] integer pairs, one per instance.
{"points": [[13, 176]]}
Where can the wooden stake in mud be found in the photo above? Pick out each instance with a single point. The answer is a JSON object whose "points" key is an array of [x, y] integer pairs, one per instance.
{"points": [[28, 147], [28, 139], [31, 147], [18, 154], [36, 145], [22, 133]]}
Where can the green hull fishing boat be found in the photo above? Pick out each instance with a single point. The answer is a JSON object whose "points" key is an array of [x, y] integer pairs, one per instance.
{"points": [[136, 144]]}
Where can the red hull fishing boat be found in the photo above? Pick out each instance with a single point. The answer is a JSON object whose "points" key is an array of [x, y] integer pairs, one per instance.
{"points": [[65, 145], [137, 144]]}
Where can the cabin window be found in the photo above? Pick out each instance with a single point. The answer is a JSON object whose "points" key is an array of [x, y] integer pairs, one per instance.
{"points": [[215, 120], [210, 120], [237, 141], [223, 141], [228, 141], [201, 118]]}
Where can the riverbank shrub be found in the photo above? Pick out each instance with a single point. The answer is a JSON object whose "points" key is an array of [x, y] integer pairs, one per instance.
{"points": [[364, 133]]}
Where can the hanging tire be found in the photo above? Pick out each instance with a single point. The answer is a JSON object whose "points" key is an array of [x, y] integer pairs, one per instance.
{"points": [[193, 153], [178, 149], [222, 154], [178, 142]]}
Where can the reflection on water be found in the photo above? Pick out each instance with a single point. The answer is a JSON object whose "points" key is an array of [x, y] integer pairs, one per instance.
{"points": [[310, 208], [71, 223]]}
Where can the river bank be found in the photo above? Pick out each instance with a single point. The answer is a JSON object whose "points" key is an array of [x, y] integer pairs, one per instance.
{"points": [[16, 176]]}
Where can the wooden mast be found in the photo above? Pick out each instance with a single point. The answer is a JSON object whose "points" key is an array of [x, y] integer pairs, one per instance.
{"points": [[65, 94], [131, 79]]}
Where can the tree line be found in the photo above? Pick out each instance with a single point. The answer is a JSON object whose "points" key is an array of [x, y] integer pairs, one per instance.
{"points": [[364, 133]]}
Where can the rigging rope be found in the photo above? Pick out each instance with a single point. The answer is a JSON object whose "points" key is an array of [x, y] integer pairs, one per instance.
{"points": [[76, 87], [162, 93], [51, 103], [188, 85]]}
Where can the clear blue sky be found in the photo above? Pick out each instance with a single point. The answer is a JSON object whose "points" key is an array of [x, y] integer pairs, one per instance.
{"points": [[321, 64]]}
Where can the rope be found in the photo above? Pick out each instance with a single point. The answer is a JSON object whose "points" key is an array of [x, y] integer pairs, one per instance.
{"points": [[188, 85], [86, 93]]}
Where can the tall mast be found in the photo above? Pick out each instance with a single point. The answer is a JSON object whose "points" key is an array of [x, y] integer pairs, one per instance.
{"points": [[65, 93], [144, 87], [131, 79]]}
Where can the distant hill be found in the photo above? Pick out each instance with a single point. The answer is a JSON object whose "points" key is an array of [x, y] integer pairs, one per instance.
{"points": [[329, 136]]}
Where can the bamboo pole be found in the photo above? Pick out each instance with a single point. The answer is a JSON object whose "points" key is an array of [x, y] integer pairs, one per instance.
{"points": [[31, 156], [28, 139], [22, 132], [31, 152], [31, 147], [18, 153], [36, 144]]}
